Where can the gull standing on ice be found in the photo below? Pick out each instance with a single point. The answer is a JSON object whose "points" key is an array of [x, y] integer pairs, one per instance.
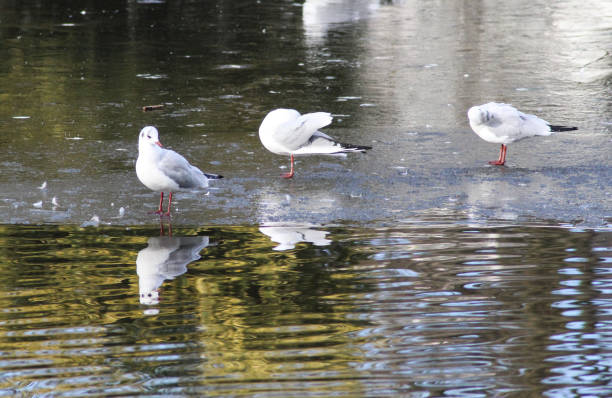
{"points": [[286, 132], [503, 124], [161, 169]]}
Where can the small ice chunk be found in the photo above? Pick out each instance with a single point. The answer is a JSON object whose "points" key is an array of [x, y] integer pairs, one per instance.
{"points": [[43, 186], [121, 212], [54, 202], [38, 204]]}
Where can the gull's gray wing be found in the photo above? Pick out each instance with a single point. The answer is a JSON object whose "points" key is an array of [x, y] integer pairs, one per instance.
{"points": [[180, 171]]}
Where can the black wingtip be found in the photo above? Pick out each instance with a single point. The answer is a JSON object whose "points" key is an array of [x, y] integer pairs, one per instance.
{"points": [[213, 176], [355, 148], [562, 128]]}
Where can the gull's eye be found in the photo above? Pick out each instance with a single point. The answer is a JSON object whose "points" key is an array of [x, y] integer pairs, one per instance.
{"points": [[148, 136]]}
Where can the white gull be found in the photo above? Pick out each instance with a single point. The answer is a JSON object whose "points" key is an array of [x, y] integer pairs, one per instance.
{"points": [[286, 132], [504, 124], [161, 169]]}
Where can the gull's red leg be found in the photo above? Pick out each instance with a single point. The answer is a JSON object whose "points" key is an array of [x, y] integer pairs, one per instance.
{"points": [[161, 201], [290, 173], [169, 204], [502, 156]]}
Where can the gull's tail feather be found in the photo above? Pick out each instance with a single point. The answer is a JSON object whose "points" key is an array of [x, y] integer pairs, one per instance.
{"points": [[353, 148], [561, 128], [323, 144]]}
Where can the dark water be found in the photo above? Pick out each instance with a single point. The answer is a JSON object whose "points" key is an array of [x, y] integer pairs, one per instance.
{"points": [[432, 308], [414, 270]]}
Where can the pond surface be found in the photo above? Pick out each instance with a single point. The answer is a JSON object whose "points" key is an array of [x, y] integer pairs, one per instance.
{"points": [[429, 308], [415, 269]]}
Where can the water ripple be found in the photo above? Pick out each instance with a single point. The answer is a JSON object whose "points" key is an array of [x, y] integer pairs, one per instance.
{"points": [[415, 311]]}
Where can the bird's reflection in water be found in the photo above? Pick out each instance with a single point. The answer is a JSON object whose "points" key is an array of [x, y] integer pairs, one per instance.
{"points": [[163, 228], [288, 235], [165, 257]]}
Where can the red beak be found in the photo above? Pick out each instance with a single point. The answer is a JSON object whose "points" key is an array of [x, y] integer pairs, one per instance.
{"points": [[159, 144]]}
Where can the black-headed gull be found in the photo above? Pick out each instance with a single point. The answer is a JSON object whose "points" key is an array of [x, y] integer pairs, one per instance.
{"points": [[286, 132], [503, 124], [161, 169]]}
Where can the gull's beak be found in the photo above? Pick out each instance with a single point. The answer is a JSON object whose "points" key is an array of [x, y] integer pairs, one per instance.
{"points": [[159, 144]]}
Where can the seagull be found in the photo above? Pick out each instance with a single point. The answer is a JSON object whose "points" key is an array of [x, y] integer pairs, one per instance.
{"points": [[286, 132], [503, 124], [161, 169]]}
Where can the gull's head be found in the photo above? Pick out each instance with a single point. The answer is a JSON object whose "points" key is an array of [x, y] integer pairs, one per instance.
{"points": [[149, 135], [476, 116]]}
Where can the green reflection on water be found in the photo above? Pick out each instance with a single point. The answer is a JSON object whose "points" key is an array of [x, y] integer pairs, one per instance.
{"points": [[422, 307], [241, 307]]}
